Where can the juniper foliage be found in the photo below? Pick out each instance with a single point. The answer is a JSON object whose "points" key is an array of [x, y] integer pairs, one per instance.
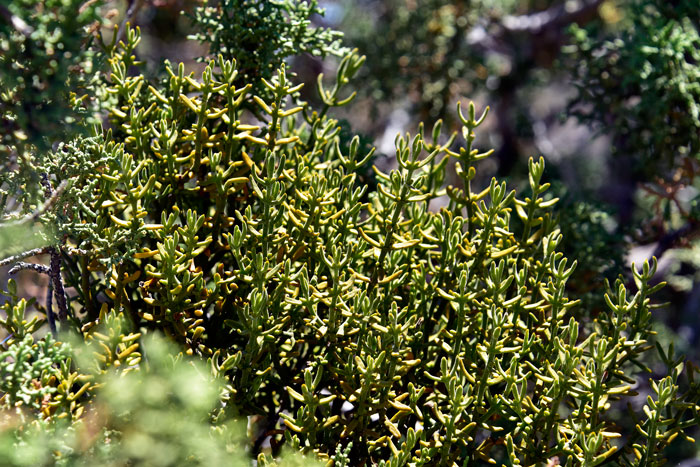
{"points": [[261, 35], [640, 82]]}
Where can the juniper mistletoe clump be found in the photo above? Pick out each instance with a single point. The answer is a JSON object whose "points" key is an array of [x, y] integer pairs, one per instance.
{"points": [[215, 258]]}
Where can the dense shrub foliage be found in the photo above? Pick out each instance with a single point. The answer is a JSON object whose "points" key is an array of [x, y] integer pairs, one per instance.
{"points": [[359, 326], [641, 82], [260, 35]]}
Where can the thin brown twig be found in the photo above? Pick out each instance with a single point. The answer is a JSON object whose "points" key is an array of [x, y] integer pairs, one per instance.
{"points": [[57, 280], [50, 317], [18, 257], [40, 268], [55, 263]]}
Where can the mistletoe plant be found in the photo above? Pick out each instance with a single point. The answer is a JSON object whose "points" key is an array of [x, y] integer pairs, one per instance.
{"points": [[359, 326]]}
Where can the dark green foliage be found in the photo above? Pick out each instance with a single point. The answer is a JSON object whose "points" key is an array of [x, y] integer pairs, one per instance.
{"points": [[641, 83], [590, 234], [415, 49], [261, 34], [425, 54], [50, 92], [44, 69]]}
